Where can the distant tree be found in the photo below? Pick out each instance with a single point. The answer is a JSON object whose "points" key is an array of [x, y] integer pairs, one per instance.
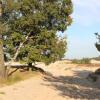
{"points": [[97, 44], [32, 27], [95, 75]]}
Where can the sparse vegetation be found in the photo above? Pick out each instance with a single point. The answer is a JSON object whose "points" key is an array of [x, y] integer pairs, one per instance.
{"points": [[18, 76], [81, 61], [2, 93]]}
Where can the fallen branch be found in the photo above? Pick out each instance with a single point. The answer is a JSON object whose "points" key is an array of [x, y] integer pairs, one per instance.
{"points": [[23, 67]]}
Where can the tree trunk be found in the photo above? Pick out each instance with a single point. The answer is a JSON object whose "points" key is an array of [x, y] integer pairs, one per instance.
{"points": [[17, 52], [2, 66], [20, 46]]}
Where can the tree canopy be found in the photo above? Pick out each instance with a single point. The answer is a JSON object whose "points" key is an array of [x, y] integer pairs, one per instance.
{"points": [[31, 27]]}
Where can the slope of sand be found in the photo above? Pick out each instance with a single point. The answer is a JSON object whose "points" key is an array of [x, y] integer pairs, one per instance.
{"points": [[63, 82]]}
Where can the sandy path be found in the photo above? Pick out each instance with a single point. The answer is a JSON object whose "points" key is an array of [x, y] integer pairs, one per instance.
{"points": [[31, 89], [65, 82]]}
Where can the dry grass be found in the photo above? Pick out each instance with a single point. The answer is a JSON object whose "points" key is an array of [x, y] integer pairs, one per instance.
{"points": [[2, 93], [18, 76]]}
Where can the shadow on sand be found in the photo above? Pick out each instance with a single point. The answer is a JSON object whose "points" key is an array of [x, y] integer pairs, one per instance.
{"points": [[77, 86]]}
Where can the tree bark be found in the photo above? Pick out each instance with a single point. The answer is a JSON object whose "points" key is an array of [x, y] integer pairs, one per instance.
{"points": [[17, 52], [2, 66]]}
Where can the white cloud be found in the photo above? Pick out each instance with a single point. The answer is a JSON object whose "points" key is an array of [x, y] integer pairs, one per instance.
{"points": [[86, 12]]}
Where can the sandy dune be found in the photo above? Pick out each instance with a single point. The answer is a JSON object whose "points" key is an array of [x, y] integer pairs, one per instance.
{"points": [[63, 82]]}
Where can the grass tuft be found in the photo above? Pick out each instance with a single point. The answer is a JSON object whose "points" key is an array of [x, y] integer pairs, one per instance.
{"points": [[2, 92]]}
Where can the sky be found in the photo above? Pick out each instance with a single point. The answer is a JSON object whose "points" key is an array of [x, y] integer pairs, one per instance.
{"points": [[80, 35]]}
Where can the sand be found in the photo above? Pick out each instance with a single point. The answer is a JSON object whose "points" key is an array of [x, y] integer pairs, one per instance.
{"points": [[63, 82]]}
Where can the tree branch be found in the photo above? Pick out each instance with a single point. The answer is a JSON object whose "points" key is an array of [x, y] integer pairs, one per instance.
{"points": [[16, 54], [18, 49]]}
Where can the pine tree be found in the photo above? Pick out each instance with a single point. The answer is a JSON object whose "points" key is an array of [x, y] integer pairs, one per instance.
{"points": [[32, 26]]}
